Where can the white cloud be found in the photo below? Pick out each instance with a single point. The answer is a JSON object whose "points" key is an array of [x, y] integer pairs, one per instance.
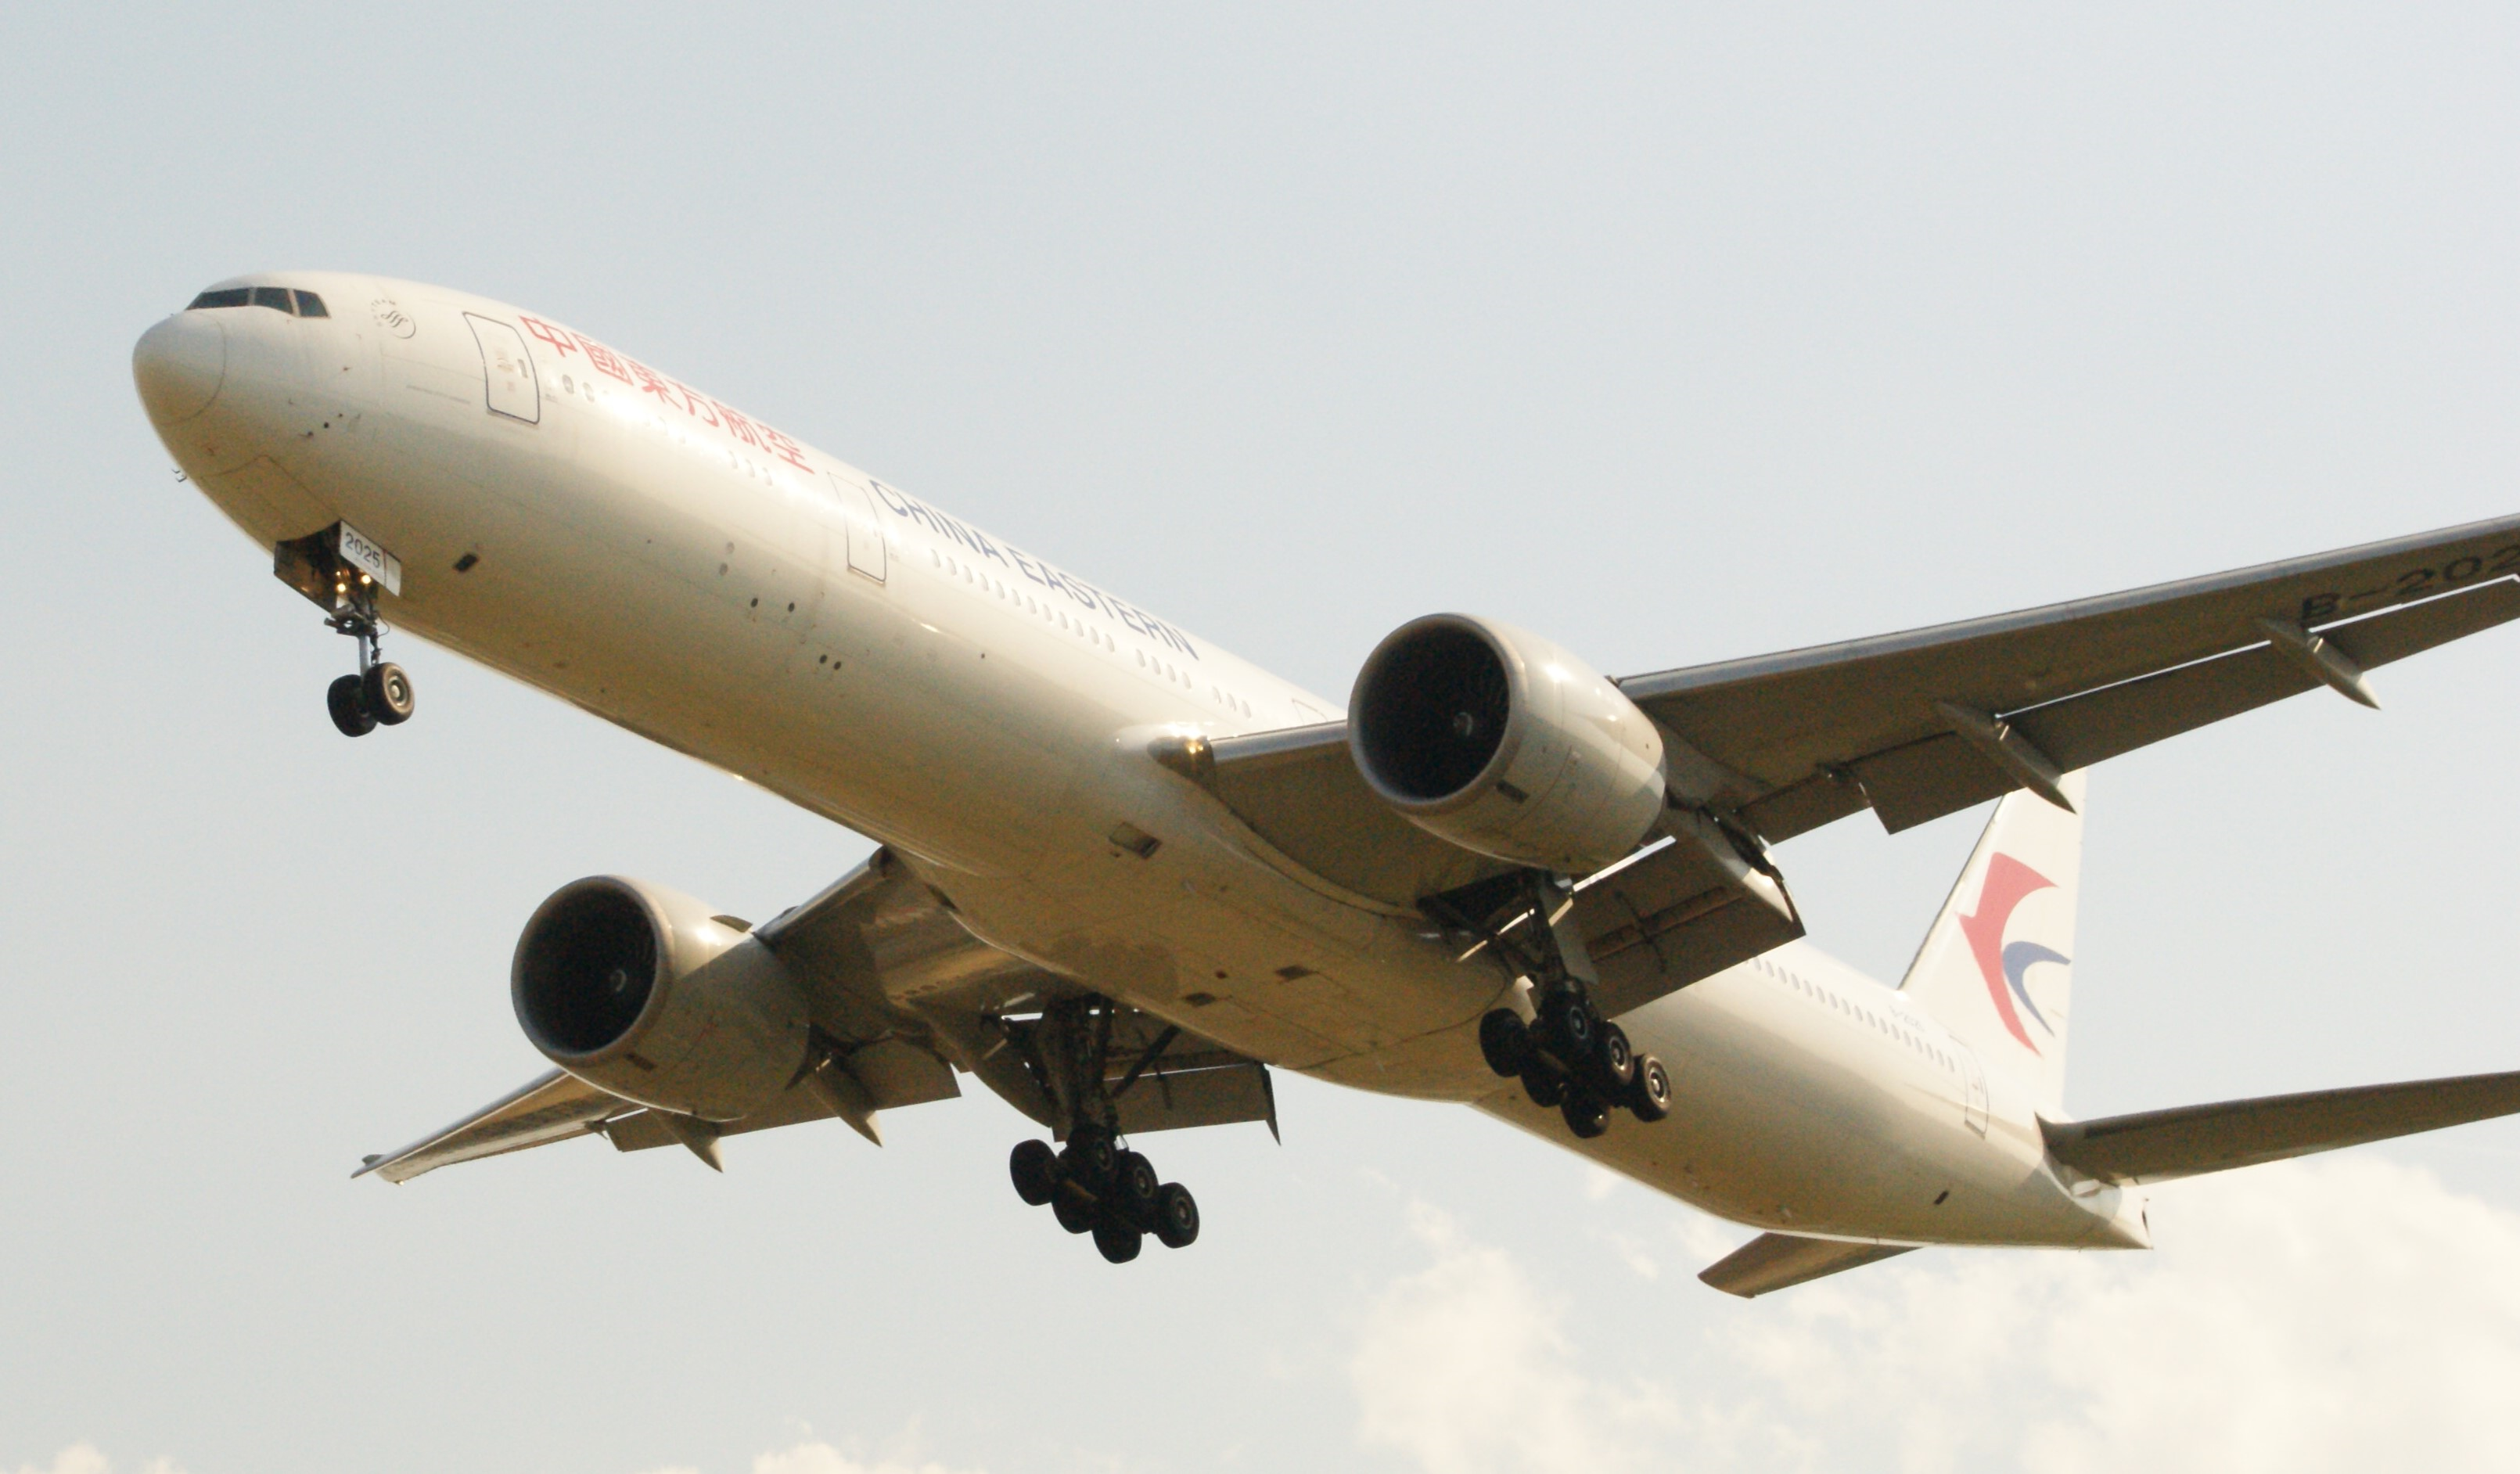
{"points": [[1463, 1367], [811, 1456], [88, 1459], [823, 1458], [2346, 1313]]}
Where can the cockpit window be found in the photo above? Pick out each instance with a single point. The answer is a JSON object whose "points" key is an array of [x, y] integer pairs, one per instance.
{"points": [[277, 298]]}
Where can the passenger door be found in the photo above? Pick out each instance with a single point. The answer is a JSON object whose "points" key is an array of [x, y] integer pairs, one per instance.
{"points": [[507, 370], [866, 534]]}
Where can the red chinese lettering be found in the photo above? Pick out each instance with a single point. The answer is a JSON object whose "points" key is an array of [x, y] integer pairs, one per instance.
{"points": [[653, 383], [556, 336], [784, 449], [740, 428], [696, 404], [603, 358]]}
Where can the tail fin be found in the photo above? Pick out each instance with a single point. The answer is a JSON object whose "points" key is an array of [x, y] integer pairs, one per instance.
{"points": [[1996, 968]]}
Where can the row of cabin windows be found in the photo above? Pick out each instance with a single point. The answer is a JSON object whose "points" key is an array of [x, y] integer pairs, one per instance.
{"points": [[1891, 1027], [278, 298], [955, 567]]}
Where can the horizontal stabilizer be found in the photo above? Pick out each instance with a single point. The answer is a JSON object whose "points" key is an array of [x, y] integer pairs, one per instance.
{"points": [[2157, 1146], [1779, 1261]]}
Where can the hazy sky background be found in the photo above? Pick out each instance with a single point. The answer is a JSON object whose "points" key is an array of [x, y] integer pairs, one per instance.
{"points": [[1673, 333]]}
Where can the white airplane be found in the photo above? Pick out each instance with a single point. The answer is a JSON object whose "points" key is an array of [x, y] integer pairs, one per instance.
{"points": [[1122, 873]]}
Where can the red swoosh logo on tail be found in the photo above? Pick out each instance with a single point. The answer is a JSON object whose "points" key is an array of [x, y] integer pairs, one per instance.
{"points": [[2007, 882]]}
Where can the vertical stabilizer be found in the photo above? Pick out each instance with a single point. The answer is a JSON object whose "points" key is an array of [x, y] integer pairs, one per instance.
{"points": [[1997, 968]]}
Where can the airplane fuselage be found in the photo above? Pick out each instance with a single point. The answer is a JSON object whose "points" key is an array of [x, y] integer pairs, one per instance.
{"points": [[650, 554]]}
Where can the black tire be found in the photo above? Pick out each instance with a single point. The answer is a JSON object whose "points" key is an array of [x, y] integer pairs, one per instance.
{"points": [[1614, 1061], [1506, 1040], [1586, 1116], [1545, 1089], [1649, 1098], [387, 693], [1035, 1169], [1571, 1029], [1118, 1241], [1175, 1215], [1074, 1211], [1134, 1187], [1089, 1157], [349, 708]]}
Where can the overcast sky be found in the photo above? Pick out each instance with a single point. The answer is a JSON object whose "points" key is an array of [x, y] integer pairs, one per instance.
{"points": [[1673, 333]]}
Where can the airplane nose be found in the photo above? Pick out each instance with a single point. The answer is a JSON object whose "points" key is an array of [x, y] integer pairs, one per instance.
{"points": [[179, 365]]}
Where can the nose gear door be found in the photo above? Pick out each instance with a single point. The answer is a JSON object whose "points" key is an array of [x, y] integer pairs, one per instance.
{"points": [[507, 370]]}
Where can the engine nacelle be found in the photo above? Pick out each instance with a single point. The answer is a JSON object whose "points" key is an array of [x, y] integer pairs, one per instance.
{"points": [[640, 991], [1503, 744]]}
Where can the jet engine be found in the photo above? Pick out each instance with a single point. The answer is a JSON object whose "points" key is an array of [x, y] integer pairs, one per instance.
{"points": [[642, 992], [1503, 744]]}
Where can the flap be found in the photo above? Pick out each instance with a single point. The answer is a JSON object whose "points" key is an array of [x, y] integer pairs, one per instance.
{"points": [[2157, 1146], [1778, 1261], [557, 1106], [1671, 915], [1906, 722]]}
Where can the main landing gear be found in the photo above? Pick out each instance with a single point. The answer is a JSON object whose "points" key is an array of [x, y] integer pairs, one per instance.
{"points": [[1576, 1061], [1569, 1057], [1095, 1184]]}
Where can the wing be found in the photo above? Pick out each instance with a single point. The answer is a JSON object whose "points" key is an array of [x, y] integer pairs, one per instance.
{"points": [[2158, 1146], [901, 996], [1921, 724], [1917, 725], [553, 1109]]}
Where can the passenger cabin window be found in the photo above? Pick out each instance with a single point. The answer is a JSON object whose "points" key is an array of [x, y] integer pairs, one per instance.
{"points": [[277, 298]]}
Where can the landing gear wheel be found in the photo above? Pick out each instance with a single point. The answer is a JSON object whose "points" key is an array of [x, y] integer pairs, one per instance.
{"points": [[1074, 1211], [387, 694], [1506, 1040], [1586, 1116], [1614, 1061], [1175, 1215], [1089, 1157], [1035, 1169], [349, 708], [1571, 1027], [1134, 1186], [1649, 1098], [1118, 1241], [1545, 1089]]}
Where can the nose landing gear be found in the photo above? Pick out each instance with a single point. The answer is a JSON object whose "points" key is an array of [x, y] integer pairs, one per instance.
{"points": [[342, 570], [379, 693]]}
